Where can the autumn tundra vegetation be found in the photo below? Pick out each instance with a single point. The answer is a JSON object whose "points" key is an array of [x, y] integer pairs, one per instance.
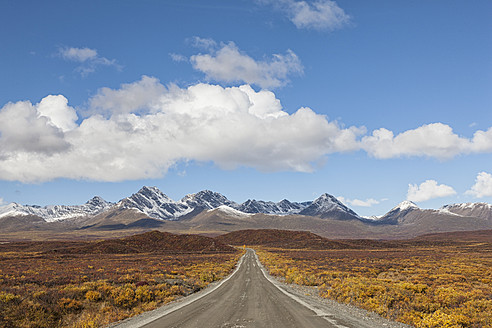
{"points": [[442, 280], [90, 284]]}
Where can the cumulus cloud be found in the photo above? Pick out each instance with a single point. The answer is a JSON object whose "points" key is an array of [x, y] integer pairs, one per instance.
{"points": [[427, 190], [358, 202], [431, 140], [88, 59], [147, 127], [482, 186], [37, 129], [131, 97], [56, 109], [482, 141], [143, 128], [228, 64], [317, 15]]}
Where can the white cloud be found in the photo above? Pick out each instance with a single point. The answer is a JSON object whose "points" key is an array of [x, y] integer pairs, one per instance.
{"points": [[24, 129], [202, 43], [482, 186], [357, 202], [78, 54], [131, 97], [56, 109], [432, 140], [148, 128], [178, 58], [482, 141], [228, 64], [88, 58], [427, 190], [2, 202], [317, 15], [143, 128]]}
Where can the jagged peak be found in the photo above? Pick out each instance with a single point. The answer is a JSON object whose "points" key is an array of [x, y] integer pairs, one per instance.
{"points": [[327, 197], [467, 205], [205, 192], [207, 199], [149, 189], [96, 200], [153, 193]]}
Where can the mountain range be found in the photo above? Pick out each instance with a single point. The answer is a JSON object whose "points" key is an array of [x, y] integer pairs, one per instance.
{"points": [[211, 212]]}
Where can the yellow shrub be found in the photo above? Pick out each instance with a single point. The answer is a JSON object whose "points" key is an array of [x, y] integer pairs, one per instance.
{"points": [[439, 319], [144, 294], [7, 297], [93, 296], [70, 305], [124, 297]]}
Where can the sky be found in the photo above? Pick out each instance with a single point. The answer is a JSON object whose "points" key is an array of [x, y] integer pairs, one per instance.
{"points": [[374, 102]]}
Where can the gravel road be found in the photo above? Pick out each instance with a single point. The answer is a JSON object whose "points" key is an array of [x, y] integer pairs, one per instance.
{"points": [[250, 297]]}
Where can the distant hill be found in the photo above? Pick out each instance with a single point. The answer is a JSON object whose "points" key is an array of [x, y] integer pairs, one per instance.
{"points": [[463, 236], [154, 242], [149, 242], [280, 239]]}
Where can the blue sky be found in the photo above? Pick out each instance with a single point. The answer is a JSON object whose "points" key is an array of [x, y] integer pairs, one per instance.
{"points": [[374, 102]]}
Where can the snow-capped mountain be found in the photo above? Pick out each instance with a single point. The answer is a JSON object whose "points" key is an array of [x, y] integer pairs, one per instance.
{"points": [[283, 207], [155, 204], [149, 203], [479, 210], [395, 215], [53, 213], [207, 199], [328, 206]]}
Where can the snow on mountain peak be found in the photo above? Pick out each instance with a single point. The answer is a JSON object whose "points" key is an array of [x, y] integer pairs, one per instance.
{"points": [[97, 201], [207, 199], [154, 203], [231, 211], [405, 205], [468, 205], [482, 210], [11, 209], [53, 213], [327, 205], [328, 202], [283, 207]]}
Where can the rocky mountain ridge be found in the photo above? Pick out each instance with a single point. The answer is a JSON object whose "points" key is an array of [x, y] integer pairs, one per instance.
{"points": [[155, 204], [149, 207], [52, 213]]}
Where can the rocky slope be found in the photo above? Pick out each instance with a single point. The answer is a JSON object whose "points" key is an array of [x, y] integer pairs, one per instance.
{"points": [[328, 206]]}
